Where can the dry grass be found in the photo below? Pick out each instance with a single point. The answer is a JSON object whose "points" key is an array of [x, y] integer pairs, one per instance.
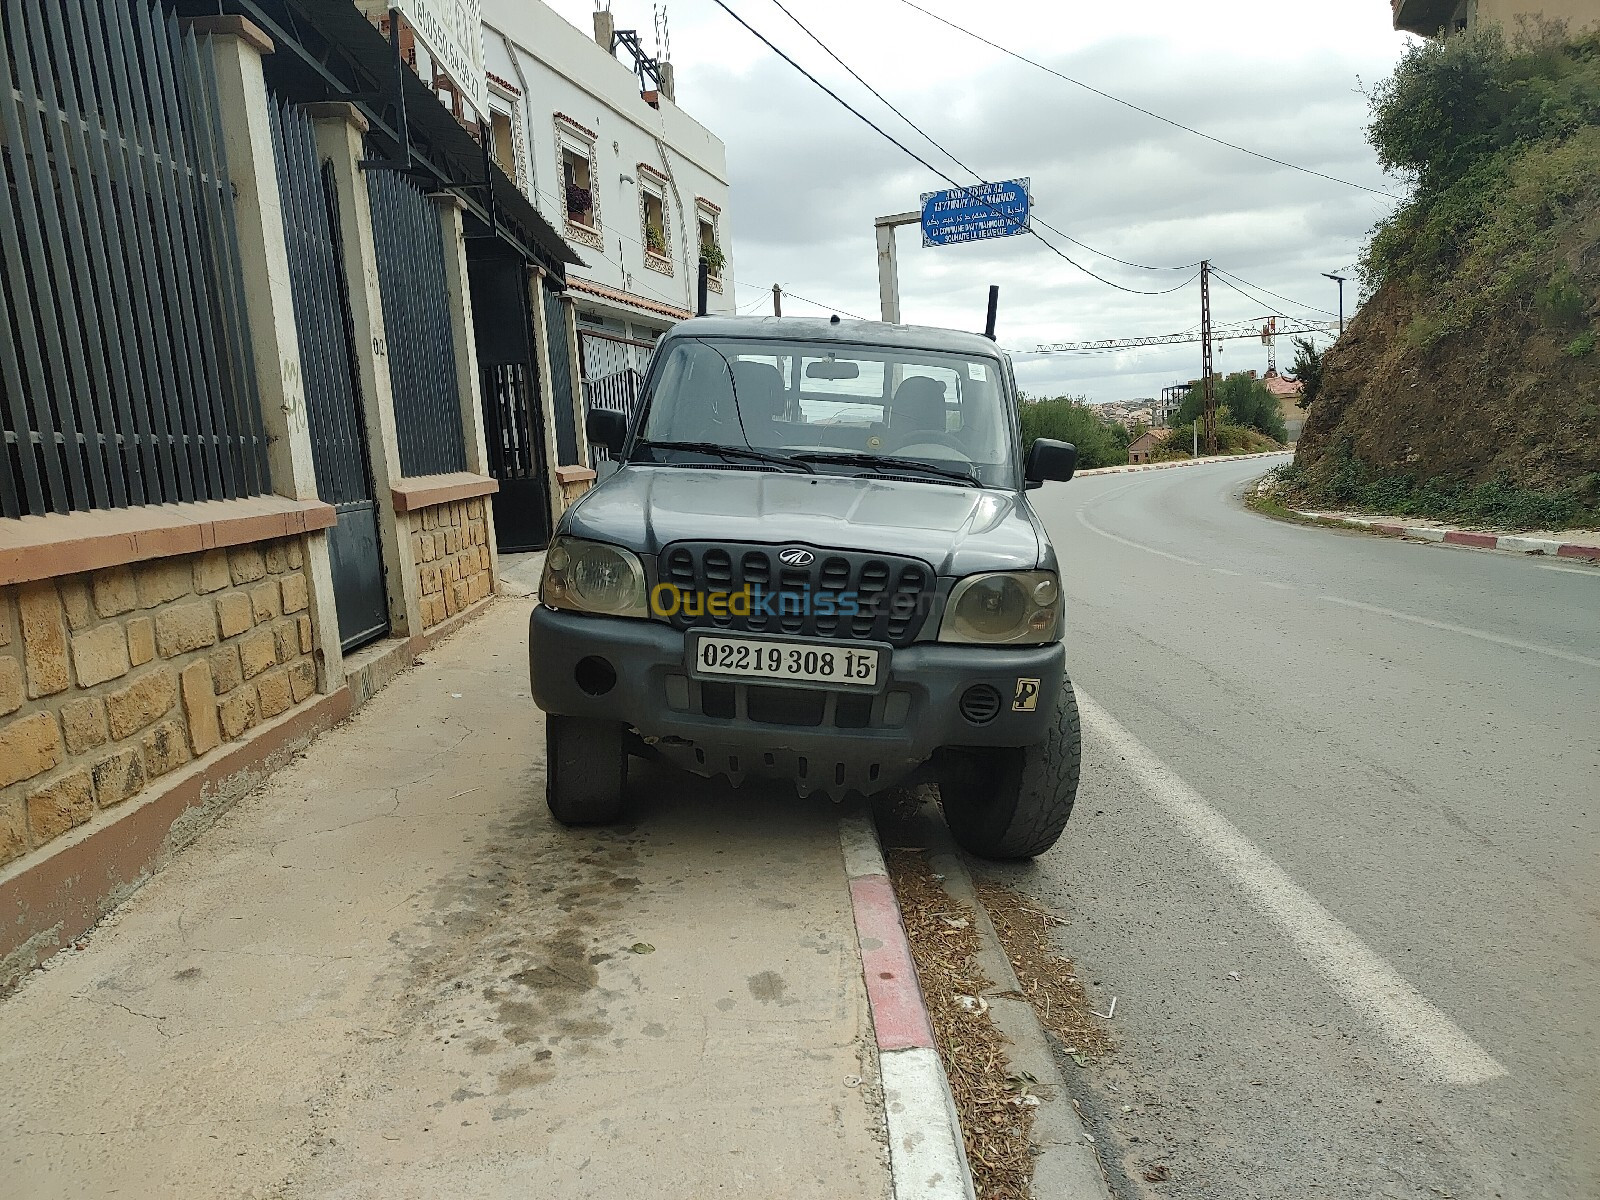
{"points": [[1047, 978], [995, 1117]]}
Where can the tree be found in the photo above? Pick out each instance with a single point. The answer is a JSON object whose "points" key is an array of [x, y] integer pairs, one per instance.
{"points": [[1072, 419], [1248, 401], [1307, 370]]}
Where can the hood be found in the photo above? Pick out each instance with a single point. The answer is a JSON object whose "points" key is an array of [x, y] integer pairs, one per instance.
{"points": [[956, 530]]}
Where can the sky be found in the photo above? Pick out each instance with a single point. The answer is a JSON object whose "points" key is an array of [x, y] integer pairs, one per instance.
{"points": [[807, 178]]}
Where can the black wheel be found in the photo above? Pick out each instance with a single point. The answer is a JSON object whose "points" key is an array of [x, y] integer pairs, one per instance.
{"points": [[1007, 804], [586, 768]]}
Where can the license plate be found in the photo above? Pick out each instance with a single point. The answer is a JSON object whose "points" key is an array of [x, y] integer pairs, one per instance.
{"points": [[761, 660]]}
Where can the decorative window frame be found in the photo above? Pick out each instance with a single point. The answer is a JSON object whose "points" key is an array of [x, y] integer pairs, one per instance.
{"points": [[705, 210], [580, 139], [512, 96], [652, 182]]}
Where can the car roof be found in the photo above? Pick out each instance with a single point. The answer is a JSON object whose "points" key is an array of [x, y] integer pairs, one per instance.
{"points": [[840, 331]]}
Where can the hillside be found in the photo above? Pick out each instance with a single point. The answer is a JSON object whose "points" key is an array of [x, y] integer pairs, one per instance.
{"points": [[1468, 386]]}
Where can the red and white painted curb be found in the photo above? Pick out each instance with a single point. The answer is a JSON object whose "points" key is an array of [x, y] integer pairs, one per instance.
{"points": [[927, 1158], [1512, 543]]}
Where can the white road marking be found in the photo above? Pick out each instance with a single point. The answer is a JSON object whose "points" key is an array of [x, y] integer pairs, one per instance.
{"points": [[1419, 1031], [1481, 635], [1589, 571], [1092, 528], [1225, 571], [1282, 587]]}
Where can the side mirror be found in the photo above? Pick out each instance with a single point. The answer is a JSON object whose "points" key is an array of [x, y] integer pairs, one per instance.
{"points": [[1051, 461], [607, 428]]}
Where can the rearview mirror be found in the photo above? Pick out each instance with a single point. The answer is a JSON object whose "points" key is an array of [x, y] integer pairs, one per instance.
{"points": [[829, 368], [1049, 461], [607, 428]]}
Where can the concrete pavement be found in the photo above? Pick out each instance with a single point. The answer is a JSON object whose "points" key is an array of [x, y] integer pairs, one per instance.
{"points": [[1335, 851], [388, 973]]}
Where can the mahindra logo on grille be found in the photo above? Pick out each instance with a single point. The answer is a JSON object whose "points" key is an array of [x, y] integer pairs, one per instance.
{"points": [[797, 557]]}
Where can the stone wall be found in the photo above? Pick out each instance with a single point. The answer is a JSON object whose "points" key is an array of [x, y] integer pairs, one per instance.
{"points": [[451, 542], [111, 680]]}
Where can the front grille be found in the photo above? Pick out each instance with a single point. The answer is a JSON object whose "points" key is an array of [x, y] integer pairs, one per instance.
{"points": [[893, 593]]}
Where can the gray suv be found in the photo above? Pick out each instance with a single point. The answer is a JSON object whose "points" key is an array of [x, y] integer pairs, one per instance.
{"points": [[816, 562]]}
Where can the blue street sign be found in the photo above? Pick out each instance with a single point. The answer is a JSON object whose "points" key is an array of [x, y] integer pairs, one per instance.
{"points": [[986, 210]]}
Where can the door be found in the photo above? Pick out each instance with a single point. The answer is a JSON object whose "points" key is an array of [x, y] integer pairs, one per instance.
{"points": [[332, 386], [512, 408]]}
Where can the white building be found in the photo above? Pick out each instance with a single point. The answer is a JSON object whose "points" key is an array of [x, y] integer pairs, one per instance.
{"points": [[633, 182]]}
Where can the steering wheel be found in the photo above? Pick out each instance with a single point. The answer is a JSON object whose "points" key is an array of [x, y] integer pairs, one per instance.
{"points": [[930, 437]]}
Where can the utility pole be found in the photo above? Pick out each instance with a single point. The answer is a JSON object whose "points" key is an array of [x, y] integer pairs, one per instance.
{"points": [[888, 264], [1205, 357], [777, 301], [1339, 279]]}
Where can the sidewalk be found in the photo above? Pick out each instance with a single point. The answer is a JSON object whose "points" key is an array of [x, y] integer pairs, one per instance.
{"points": [[387, 973]]}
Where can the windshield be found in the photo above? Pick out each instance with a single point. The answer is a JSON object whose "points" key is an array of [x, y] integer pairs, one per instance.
{"points": [[833, 408]]}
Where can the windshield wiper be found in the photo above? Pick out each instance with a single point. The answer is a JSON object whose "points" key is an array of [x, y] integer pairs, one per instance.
{"points": [[747, 453], [887, 462]]}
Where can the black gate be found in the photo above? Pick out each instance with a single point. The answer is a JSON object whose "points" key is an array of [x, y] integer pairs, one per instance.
{"points": [[125, 369], [561, 380], [328, 367], [508, 369]]}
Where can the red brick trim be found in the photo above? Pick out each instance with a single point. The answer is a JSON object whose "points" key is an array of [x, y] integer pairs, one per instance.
{"points": [[713, 209], [504, 85], [632, 301], [240, 27], [424, 491], [66, 544], [575, 127], [655, 173]]}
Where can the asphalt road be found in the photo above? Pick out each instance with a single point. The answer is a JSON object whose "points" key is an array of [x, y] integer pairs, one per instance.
{"points": [[1335, 851]]}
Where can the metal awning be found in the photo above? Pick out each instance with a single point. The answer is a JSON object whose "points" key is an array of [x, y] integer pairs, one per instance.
{"points": [[327, 50]]}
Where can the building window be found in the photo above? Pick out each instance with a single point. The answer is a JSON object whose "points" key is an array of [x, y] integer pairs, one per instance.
{"points": [[654, 224], [580, 179], [709, 242], [502, 140]]}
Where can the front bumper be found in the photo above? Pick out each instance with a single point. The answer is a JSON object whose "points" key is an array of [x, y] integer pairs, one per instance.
{"points": [[829, 741]]}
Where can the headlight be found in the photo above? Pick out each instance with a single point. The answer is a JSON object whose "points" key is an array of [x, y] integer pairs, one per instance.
{"points": [[592, 577], [1006, 607]]}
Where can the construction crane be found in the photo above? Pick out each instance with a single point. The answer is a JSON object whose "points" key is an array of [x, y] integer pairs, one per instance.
{"points": [[1266, 328]]}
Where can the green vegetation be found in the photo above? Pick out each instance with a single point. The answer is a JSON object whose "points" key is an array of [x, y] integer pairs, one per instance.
{"points": [[1248, 402], [1308, 370], [1502, 141], [1467, 388], [1497, 503], [1231, 439], [1100, 443]]}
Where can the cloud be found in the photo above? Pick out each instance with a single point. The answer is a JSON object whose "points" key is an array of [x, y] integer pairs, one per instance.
{"points": [[808, 178]]}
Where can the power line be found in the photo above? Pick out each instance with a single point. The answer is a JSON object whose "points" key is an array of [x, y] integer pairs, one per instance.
{"points": [[1298, 304], [896, 142], [926, 136], [832, 308], [1145, 111]]}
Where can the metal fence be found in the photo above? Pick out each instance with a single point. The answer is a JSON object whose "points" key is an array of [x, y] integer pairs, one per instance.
{"points": [[417, 326], [125, 368], [617, 392]]}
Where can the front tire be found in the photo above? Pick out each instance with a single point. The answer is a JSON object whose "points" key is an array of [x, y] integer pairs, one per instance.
{"points": [[1014, 804], [586, 769]]}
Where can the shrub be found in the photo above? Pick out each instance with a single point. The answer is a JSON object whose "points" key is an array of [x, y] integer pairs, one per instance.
{"points": [[1100, 443]]}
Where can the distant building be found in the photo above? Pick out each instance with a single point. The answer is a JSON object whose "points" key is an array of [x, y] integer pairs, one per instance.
{"points": [[1430, 18], [1288, 391], [1142, 447]]}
